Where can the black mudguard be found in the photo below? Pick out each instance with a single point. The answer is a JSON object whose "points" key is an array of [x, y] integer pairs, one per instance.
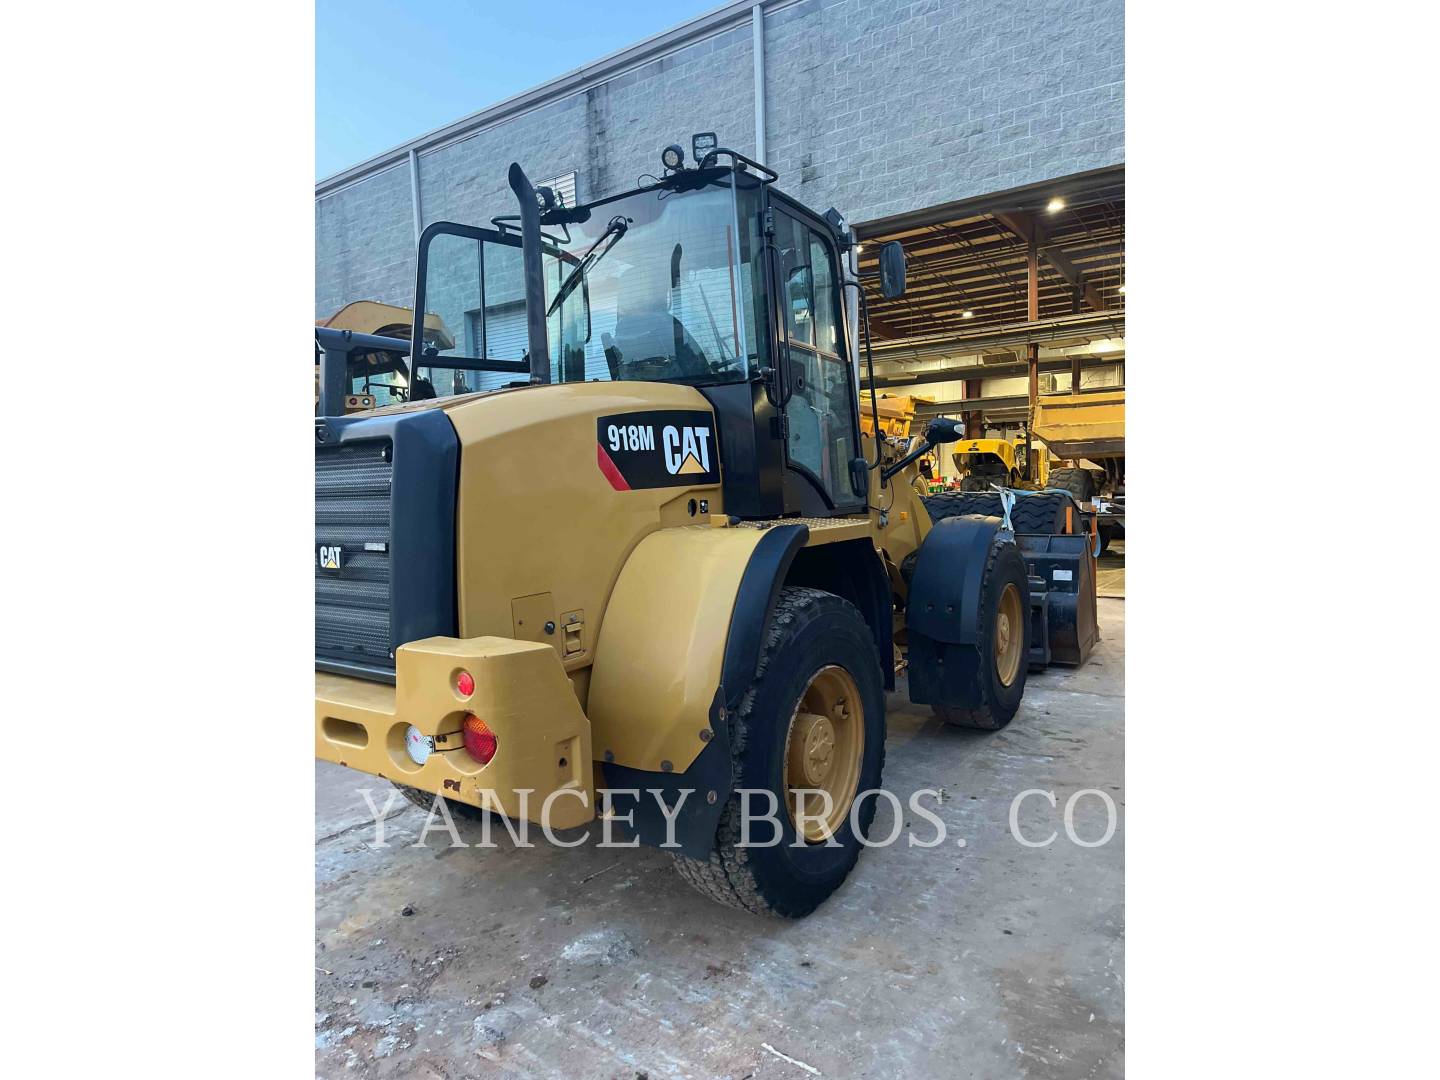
{"points": [[944, 599], [942, 618]]}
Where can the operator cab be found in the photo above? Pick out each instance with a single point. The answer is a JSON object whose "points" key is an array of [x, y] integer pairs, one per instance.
{"points": [[708, 277]]}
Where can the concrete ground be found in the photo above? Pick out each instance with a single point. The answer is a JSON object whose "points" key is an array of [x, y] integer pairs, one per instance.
{"points": [[1110, 571], [989, 960]]}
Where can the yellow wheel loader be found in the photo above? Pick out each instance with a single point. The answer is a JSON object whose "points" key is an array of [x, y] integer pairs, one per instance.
{"points": [[375, 341], [985, 464], [649, 571]]}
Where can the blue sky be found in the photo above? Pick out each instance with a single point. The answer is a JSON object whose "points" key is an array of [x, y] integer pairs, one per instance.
{"points": [[386, 71]]}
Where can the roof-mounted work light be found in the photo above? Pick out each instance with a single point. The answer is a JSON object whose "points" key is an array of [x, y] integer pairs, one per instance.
{"points": [[701, 143], [672, 157]]}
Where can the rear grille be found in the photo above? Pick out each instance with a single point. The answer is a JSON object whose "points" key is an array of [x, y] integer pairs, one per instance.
{"points": [[352, 512]]}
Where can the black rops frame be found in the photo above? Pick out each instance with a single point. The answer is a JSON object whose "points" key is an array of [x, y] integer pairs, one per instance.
{"points": [[493, 236], [417, 330]]}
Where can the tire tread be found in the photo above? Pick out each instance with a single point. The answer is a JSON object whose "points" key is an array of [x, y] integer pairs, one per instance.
{"points": [[725, 876]]}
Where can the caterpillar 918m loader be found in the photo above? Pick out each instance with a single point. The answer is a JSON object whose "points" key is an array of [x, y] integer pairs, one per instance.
{"points": [[650, 552]]}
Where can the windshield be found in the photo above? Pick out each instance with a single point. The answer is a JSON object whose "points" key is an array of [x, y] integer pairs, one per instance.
{"points": [[667, 288]]}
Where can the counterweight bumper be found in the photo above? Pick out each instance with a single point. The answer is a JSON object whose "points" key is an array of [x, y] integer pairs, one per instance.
{"points": [[522, 694]]}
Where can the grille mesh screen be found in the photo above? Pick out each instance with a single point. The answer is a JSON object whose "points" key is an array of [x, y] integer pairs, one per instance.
{"points": [[352, 509]]}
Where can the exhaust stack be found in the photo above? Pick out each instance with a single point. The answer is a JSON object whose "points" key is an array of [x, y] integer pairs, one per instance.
{"points": [[534, 273]]}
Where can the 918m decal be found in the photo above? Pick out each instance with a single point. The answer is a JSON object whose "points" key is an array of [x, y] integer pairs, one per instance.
{"points": [[667, 448]]}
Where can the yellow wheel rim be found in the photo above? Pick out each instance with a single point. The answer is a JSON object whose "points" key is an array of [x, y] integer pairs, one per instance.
{"points": [[823, 751], [1009, 635]]}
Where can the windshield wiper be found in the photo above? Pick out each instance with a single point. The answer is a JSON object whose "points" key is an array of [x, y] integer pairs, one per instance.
{"points": [[613, 232]]}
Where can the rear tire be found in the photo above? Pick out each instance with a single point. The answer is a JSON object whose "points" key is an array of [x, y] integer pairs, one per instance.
{"points": [[809, 632], [1078, 482], [995, 678]]}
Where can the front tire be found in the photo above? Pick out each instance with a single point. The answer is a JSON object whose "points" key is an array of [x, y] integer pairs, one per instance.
{"points": [[813, 718], [995, 668]]}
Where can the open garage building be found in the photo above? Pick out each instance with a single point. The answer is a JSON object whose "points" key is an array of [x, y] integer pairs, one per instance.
{"points": [[1011, 298]]}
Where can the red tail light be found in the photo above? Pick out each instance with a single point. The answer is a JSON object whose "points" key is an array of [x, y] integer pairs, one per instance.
{"points": [[480, 741], [465, 683]]}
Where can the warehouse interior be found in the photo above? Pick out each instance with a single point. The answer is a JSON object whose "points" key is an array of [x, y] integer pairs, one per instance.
{"points": [[1013, 299], [1002, 291]]}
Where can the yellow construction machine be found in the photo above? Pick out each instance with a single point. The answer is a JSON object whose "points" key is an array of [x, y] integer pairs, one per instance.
{"points": [[651, 572], [1088, 426], [985, 464], [894, 413], [375, 339]]}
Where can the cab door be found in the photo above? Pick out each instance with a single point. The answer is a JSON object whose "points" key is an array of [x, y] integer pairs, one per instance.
{"points": [[821, 426]]}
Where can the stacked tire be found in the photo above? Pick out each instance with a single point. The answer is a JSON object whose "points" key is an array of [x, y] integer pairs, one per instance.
{"points": [[1042, 512], [1078, 482]]}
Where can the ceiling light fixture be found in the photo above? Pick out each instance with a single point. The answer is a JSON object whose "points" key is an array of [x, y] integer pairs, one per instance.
{"points": [[1055, 205]]}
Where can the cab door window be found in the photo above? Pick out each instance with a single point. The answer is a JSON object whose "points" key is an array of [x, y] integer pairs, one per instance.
{"points": [[820, 417]]}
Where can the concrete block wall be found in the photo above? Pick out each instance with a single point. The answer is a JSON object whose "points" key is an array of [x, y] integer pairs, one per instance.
{"points": [[877, 107], [884, 108], [365, 243]]}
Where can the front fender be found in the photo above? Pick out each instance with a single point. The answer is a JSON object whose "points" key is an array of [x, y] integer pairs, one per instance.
{"points": [[944, 599]]}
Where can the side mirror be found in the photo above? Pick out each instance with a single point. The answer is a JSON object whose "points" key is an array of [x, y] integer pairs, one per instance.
{"points": [[940, 430], [892, 270]]}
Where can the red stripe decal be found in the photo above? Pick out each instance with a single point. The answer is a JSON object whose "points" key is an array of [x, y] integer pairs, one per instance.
{"points": [[608, 468]]}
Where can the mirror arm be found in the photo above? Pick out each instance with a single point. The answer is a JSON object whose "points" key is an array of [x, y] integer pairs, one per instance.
{"points": [[938, 432], [919, 452], [870, 368]]}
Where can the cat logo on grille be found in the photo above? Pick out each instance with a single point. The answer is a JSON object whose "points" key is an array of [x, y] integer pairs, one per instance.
{"points": [[329, 556]]}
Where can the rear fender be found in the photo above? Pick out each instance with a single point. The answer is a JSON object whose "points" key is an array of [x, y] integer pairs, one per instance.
{"points": [[684, 622], [679, 646]]}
